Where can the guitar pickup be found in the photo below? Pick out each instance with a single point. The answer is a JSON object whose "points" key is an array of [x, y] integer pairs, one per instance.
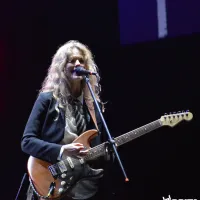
{"points": [[71, 164], [62, 167]]}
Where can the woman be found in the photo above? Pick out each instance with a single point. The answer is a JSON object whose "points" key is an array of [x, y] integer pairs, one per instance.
{"points": [[63, 110]]}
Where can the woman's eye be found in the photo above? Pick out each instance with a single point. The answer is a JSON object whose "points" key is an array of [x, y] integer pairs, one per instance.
{"points": [[74, 60], [81, 61]]}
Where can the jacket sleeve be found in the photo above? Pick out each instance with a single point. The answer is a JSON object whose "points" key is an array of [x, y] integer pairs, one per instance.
{"points": [[32, 142]]}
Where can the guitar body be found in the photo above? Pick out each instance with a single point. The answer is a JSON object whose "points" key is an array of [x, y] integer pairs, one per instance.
{"points": [[54, 181], [42, 179]]}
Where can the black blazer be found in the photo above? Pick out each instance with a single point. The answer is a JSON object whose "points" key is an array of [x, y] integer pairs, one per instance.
{"points": [[43, 133]]}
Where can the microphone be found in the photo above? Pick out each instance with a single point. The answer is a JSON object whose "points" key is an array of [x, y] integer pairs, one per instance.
{"points": [[80, 71]]}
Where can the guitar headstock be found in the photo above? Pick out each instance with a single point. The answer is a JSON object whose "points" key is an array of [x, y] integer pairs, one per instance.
{"points": [[175, 118]]}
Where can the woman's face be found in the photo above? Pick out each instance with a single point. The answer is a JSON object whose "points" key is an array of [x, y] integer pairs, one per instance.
{"points": [[76, 59]]}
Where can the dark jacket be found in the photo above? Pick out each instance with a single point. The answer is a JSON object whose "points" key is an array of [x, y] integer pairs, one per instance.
{"points": [[43, 133]]}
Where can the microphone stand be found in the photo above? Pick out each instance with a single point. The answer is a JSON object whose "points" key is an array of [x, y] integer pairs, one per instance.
{"points": [[110, 140], [19, 190]]}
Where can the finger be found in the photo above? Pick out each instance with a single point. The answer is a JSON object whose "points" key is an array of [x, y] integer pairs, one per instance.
{"points": [[72, 146], [75, 148], [72, 149], [77, 144], [83, 152]]}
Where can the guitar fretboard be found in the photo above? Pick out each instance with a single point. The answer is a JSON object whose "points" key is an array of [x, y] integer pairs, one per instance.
{"points": [[127, 137]]}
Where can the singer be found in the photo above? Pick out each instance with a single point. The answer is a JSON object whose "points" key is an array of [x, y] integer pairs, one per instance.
{"points": [[62, 111]]}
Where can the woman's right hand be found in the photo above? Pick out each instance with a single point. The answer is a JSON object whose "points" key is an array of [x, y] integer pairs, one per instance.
{"points": [[73, 149]]}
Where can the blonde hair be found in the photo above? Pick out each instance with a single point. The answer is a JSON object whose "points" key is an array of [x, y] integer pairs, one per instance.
{"points": [[57, 81]]}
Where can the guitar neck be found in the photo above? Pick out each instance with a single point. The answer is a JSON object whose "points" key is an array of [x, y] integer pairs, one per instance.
{"points": [[127, 137]]}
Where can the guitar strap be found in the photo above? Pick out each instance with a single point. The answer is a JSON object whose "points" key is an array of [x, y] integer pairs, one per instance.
{"points": [[91, 110]]}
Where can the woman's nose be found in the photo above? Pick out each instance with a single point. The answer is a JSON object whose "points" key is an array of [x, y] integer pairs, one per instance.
{"points": [[77, 63]]}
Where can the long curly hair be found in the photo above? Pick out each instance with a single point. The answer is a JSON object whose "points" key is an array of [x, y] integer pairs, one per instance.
{"points": [[57, 81]]}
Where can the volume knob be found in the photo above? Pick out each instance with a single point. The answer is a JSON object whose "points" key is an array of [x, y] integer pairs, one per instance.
{"points": [[63, 175], [63, 183]]}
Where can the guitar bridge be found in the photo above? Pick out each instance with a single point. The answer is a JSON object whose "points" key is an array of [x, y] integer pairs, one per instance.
{"points": [[58, 168]]}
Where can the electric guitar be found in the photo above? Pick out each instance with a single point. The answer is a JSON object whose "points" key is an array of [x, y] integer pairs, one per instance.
{"points": [[52, 181]]}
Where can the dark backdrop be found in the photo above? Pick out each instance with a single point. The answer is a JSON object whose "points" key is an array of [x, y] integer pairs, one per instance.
{"points": [[141, 83]]}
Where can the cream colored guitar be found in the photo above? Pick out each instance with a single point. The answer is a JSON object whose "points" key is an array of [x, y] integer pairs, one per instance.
{"points": [[52, 181]]}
